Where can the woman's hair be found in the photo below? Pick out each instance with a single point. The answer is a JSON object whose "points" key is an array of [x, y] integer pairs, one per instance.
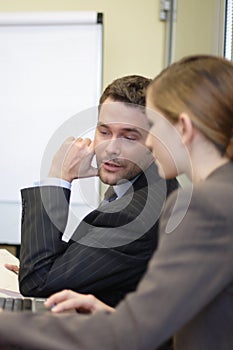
{"points": [[202, 87]]}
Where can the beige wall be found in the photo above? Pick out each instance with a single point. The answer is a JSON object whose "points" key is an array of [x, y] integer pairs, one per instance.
{"points": [[198, 27], [134, 37], [133, 34]]}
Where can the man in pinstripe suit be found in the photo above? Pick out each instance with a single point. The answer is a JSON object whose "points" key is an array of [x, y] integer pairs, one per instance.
{"points": [[111, 247]]}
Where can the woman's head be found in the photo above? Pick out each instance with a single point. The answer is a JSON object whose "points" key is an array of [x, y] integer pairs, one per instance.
{"points": [[201, 87]]}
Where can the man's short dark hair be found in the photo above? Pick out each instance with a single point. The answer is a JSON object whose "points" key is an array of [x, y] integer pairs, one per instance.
{"points": [[128, 89]]}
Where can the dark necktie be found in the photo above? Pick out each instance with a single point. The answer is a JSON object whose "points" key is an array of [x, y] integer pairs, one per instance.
{"points": [[110, 195]]}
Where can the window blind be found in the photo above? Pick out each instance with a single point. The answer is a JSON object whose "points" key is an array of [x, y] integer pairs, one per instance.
{"points": [[228, 46]]}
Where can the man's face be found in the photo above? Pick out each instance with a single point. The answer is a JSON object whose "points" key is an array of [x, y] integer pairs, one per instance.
{"points": [[120, 142]]}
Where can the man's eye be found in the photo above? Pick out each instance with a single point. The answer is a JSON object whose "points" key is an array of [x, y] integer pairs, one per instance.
{"points": [[103, 132], [130, 138]]}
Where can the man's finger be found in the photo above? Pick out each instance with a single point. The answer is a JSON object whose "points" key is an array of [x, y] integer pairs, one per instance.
{"points": [[13, 268]]}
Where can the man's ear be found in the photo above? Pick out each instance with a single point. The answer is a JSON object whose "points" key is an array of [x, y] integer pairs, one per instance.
{"points": [[185, 127]]}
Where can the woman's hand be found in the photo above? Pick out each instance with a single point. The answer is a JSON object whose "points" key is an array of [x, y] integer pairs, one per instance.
{"points": [[67, 300]]}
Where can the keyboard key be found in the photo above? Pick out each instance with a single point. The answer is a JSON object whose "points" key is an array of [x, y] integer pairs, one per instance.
{"points": [[27, 304], [2, 303], [9, 304], [40, 305], [18, 304]]}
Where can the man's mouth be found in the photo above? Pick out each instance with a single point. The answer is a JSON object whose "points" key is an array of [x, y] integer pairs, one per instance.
{"points": [[111, 166]]}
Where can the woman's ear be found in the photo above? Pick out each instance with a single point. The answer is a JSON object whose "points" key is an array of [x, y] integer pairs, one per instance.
{"points": [[185, 128]]}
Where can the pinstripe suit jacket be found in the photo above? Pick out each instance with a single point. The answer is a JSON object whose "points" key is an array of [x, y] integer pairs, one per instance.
{"points": [[109, 250]]}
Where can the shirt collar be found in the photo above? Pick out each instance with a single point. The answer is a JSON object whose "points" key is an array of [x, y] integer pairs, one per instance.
{"points": [[121, 189]]}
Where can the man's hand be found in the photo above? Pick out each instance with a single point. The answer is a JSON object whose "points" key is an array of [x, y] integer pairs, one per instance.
{"points": [[67, 300], [73, 160], [13, 268]]}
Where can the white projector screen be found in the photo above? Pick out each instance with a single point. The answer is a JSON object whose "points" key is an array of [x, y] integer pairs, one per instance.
{"points": [[50, 70]]}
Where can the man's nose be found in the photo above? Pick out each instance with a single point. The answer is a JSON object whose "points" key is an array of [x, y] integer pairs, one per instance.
{"points": [[113, 147]]}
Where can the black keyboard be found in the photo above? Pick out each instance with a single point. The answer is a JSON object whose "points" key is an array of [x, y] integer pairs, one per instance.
{"points": [[23, 304]]}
